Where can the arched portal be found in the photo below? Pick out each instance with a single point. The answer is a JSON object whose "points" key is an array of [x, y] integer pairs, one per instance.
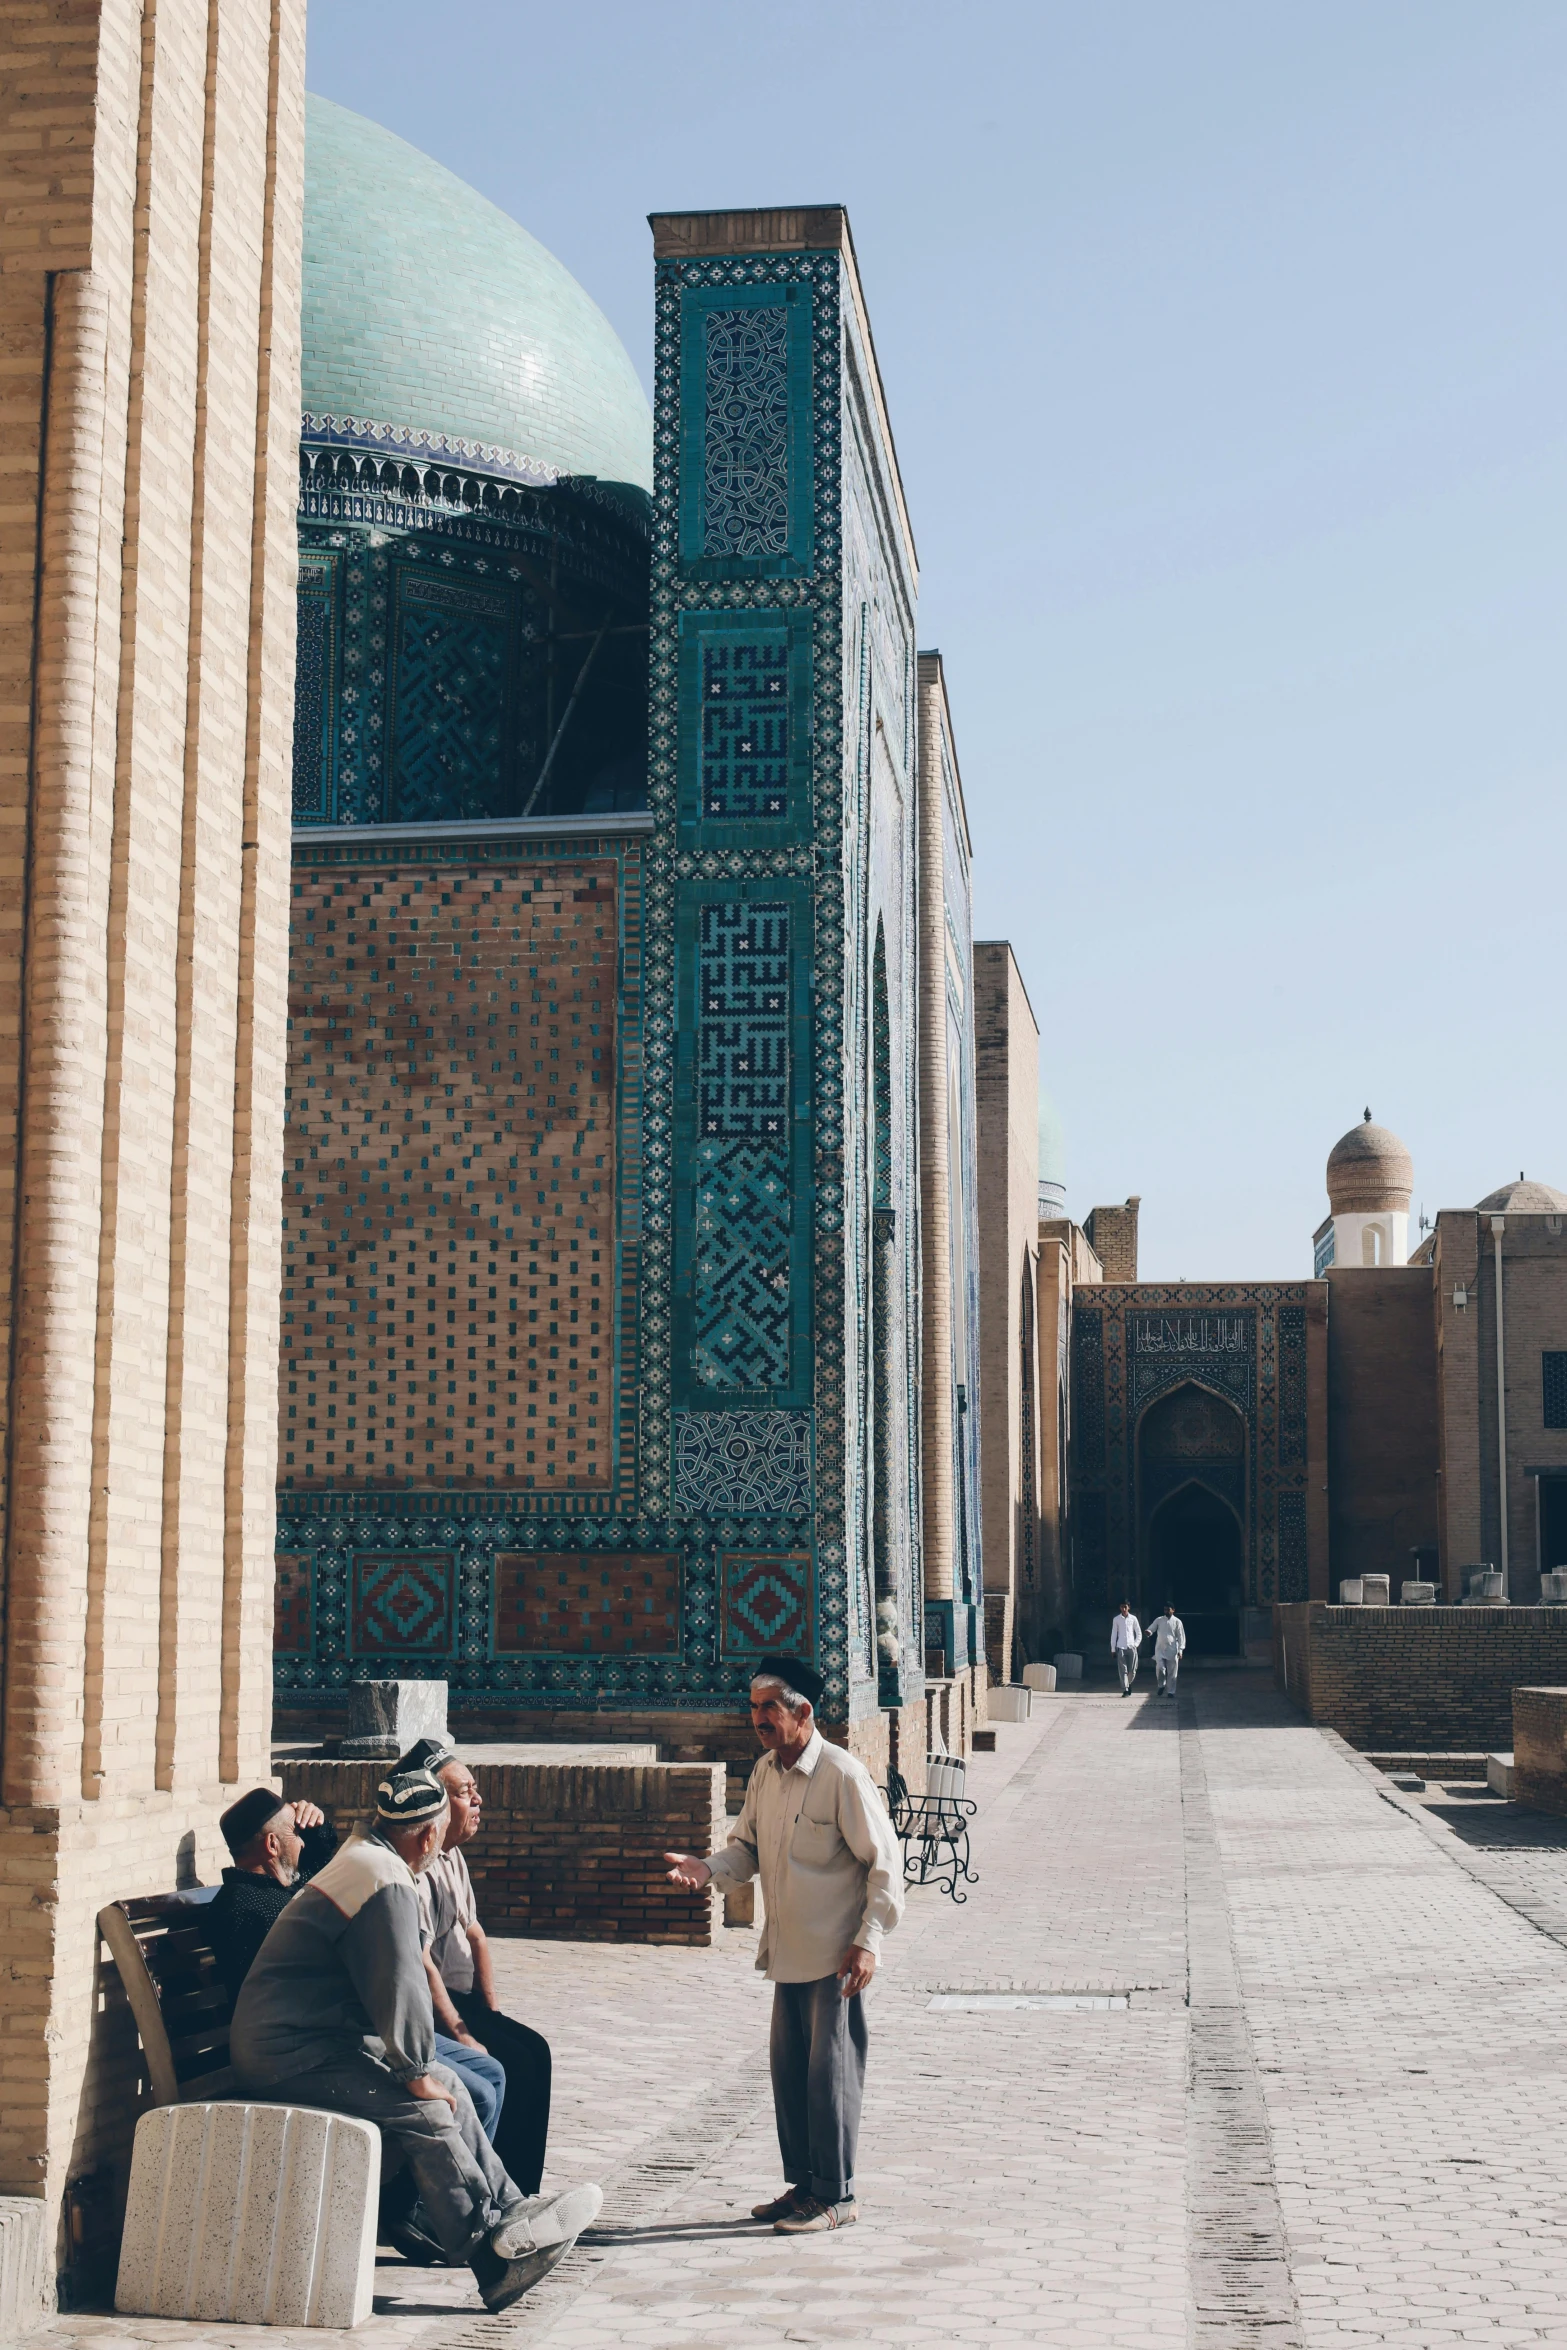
{"points": [[1191, 1449], [1194, 1558]]}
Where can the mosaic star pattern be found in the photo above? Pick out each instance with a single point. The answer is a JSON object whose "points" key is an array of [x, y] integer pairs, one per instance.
{"points": [[743, 1187], [745, 487], [743, 1464]]}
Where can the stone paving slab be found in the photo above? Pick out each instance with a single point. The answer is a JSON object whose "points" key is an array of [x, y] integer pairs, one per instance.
{"points": [[1328, 2116]]}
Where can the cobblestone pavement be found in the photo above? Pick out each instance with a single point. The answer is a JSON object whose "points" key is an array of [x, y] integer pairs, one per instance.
{"points": [[1328, 2113]]}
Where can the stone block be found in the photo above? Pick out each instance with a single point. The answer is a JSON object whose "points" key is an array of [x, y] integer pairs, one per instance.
{"points": [[385, 1717], [1417, 1594], [251, 2214], [26, 2265], [1376, 1591], [1483, 1587], [1069, 1667], [1499, 1774], [1553, 1587], [1042, 1677], [1539, 1776], [1009, 1703], [1351, 1591]]}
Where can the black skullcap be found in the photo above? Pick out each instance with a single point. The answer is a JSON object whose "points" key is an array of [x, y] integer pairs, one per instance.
{"points": [[794, 1672], [425, 1754], [244, 1821], [408, 1798]]}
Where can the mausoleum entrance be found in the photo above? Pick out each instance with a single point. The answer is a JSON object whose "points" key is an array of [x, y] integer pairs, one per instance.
{"points": [[1191, 1462]]}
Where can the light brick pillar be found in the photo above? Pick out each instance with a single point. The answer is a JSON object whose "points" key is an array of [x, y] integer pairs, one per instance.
{"points": [[151, 169]]}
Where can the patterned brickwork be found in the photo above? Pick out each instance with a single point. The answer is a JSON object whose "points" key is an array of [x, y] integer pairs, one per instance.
{"points": [[403, 1604], [449, 1313], [585, 1603], [767, 1606], [743, 1188], [293, 1604]]}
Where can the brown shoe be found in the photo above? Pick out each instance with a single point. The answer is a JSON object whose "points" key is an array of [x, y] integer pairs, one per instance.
{"points": [[781, 2205], [811, 2217]]}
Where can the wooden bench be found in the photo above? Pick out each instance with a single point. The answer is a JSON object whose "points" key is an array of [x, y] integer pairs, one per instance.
{"points": [[169, 1971]]}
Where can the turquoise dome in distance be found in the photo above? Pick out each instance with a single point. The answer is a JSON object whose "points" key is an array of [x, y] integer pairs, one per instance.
{"points": [[428, 310]]}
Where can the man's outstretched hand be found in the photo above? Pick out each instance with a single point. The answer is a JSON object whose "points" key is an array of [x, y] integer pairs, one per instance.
{"points": [[855, 1969], [687, 1870]]}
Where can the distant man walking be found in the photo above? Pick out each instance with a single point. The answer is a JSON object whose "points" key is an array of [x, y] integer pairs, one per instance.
{"points": [[1126, 1640], [815, 1828], [1169, 1646]]}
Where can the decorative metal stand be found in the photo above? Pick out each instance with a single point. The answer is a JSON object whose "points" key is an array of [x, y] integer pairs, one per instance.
{"points": [[933, 1830]]}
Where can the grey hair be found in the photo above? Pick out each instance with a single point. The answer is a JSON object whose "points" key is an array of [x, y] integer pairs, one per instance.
{"points": [[787, 1696]]}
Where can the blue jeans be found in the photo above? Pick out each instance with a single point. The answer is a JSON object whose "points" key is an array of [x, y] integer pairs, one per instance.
{"points": [[481, 2076]]}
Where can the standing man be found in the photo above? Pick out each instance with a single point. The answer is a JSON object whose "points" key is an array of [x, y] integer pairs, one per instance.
{"points": [[1169, 1646], [815, 1828], [462, 1975], [1126, 1639]]}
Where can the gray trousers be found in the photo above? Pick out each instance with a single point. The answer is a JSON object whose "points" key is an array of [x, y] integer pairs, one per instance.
{"points": [[1126, 1660], [1166, 1669], [461, 2183], [817, 2050]]}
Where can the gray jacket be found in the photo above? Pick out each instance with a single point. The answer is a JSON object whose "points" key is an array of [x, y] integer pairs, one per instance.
{"points": [[341, 1971]]}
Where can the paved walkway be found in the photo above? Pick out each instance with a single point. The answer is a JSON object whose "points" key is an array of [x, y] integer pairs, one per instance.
{"points": [[1329, 2113]]}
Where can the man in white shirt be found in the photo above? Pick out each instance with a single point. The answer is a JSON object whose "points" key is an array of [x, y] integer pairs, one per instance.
{"points": [[1126, 1639], [1169, 1646], [815, 1828]]}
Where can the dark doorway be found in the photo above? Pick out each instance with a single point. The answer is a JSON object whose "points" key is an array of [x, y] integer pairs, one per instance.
{"points": [[1194, 1558]]}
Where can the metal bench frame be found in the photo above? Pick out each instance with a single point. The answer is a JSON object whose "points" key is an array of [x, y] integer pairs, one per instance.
{"points": [[933, 1830]]}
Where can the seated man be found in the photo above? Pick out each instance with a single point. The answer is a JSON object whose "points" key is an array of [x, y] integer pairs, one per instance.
{"points": [[336, 2013], [463, 1976], [278, 1847]]}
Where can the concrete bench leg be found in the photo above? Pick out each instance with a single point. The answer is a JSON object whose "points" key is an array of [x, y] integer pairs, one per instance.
{"points": [[251, 2214]]}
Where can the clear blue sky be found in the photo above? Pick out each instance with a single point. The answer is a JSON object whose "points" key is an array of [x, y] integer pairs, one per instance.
{"points": [[1226, 349]]}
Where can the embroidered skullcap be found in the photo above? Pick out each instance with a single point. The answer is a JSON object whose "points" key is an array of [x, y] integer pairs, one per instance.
{"points": [[425, 1754], [408, 1798], [243, 1822], [795, 1674]]}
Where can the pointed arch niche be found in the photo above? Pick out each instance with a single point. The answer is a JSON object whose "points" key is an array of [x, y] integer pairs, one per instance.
{"points": [[1191, 1481]]}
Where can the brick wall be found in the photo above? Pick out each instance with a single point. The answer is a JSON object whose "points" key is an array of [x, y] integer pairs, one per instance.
{"points": [[1432, 1678], [570, 1853], [1112, 1235], [1540, 1748], [1006, 1088], [1382, 1421]]}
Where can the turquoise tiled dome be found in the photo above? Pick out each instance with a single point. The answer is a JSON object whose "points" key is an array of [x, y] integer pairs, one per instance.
{"points": [[428, 310]]}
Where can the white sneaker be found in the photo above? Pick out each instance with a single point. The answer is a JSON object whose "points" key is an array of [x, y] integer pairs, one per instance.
{"points": [[541, 2220]]}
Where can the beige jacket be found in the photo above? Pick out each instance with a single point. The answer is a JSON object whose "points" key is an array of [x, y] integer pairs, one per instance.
{"points": [[830, 1865]]}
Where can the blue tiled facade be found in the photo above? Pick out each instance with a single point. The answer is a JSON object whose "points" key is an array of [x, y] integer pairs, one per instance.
{"points": [[750, 1363]]}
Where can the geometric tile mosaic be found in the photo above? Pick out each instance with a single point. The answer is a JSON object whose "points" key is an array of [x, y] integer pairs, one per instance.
{"points": [[451, 659], [745, 727], [741, 1305], [449, 1260], [745, 488], [587, 1603], [766, 1604], [403, 1604], [742, 1464]]}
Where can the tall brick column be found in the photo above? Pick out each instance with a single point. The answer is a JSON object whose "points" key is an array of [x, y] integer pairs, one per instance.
{"points": [[149, 298]]}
